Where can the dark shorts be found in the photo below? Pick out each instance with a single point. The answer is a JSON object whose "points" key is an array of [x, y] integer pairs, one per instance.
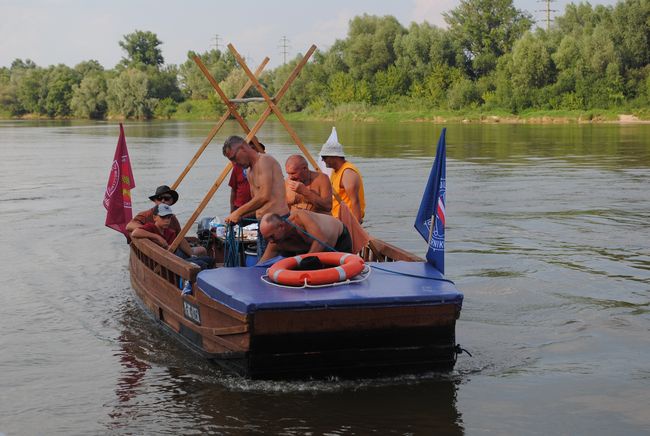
{"points": [[344, 242]]}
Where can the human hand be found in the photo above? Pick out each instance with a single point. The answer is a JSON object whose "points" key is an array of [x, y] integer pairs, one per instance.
{"points": [[291, 197], [233, 218], [161, 241], [296, 186]]}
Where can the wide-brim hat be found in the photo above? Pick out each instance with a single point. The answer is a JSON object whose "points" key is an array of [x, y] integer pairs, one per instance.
{"points": [[332, 146], [162, 190]]}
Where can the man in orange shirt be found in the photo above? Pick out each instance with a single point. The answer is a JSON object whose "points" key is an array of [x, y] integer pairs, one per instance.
{"points": [[346, 178]]}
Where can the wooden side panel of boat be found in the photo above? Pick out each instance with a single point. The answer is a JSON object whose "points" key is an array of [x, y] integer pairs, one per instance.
{"points": [[211, 328]]}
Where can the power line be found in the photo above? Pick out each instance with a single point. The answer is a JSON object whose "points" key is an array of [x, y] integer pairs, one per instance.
{"points": [[548, 11], [216, 41], [284, 46]]}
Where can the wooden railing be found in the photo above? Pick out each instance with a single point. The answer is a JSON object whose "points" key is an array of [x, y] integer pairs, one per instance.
{"points": [[379, 251], [163, 263]]}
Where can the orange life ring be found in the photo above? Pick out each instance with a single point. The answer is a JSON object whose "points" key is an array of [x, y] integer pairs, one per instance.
{"points": [[343, 267]]}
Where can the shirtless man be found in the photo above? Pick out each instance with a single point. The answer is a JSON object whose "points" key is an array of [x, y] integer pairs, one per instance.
{"points": [[266, 182], [306, 189], [264, 176], [303, 232]]}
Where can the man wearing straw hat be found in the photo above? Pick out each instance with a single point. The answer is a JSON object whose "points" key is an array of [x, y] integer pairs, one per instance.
{"points": [[346, 178]]}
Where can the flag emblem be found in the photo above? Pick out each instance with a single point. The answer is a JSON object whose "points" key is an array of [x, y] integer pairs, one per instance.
{"points": [[431, 218], [117, 197]]}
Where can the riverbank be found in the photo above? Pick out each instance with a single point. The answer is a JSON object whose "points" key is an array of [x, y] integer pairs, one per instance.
{"points": [[370, 114], [440, 117]]}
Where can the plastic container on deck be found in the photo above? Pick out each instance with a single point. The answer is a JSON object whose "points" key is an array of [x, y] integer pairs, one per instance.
{"points": [[250, 258]]}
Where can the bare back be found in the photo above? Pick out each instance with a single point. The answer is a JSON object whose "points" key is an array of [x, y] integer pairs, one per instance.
{"points": [[266, 181], [324, 227]]}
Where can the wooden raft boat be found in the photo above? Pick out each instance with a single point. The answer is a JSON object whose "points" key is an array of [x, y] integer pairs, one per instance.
{"points": [[401, 319]]}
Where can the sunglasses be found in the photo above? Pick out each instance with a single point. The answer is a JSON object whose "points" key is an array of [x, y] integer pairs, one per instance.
{"points": [[165, 198]]}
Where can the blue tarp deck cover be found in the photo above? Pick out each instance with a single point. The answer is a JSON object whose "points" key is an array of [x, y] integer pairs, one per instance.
{"points": [[390, 283]]}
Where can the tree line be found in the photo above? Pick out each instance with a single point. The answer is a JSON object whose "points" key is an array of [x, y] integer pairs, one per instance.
{"points": [[488, 58]]}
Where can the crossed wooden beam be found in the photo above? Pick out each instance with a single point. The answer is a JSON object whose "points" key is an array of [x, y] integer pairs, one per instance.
{"points": [[250, 133], [221, 121]]}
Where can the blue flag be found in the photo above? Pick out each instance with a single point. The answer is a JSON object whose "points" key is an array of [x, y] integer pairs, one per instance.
{"points": [[430, 220]]}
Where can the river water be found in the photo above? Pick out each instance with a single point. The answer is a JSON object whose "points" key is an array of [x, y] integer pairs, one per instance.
{"points": [[548, 236]]}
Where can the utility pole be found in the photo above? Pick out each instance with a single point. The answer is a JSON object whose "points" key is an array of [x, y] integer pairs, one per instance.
{"points": [[216, 41], [548, 11], [284, 46]]}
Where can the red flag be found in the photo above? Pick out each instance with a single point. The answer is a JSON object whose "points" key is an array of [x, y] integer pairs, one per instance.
{"points": [[117, 198]]}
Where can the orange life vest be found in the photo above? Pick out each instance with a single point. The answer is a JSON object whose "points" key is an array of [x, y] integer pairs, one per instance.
{"points": [[336, 187]]}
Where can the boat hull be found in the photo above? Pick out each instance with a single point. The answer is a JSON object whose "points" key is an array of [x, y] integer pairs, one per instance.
{"points": [[359, 339]]}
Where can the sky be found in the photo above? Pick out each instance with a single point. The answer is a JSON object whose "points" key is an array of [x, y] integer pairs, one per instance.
{"points": [[71, 31]]}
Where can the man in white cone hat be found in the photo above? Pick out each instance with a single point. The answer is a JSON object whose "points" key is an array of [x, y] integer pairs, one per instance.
{"points": [[346, 178]]}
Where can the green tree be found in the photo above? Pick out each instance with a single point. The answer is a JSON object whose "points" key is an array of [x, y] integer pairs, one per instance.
{"points": [[19, 64], [631, 32], [485, 30], [390, 84], [302, 89], [141, 48], [370, 45], [127, 95], [89, 97], [332, 60], [163, 83], [192, 81], [32, 89], [60, 81], [463, 93], [341, 88], [166, 108], [438, 82], [8, 98], [88, 67], [423, 47], [363, 92], [526, 70]]}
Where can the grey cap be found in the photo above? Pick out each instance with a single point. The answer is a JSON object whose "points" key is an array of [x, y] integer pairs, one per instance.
{"points": [[162, 210]]}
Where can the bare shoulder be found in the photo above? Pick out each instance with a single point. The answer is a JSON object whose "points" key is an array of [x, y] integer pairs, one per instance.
{"points": [[264, 161], [299, 216], [268, 161], [350, 176], [321, 180]]}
